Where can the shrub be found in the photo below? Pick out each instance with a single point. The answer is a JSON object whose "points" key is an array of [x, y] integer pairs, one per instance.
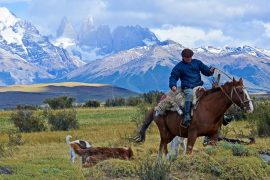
{"points": [[138, 117], [14, 138], [27, 121], [152, 170], [239, 150], [25, 107], [62, 119], [115, 102], [3, 150], [91, 103], [116, 168], [152, 97], [60, 102], [134, 101], [210, 150], [261, 116], [237, 113]]}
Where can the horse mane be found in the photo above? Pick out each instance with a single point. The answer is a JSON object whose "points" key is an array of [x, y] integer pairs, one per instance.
{"points": [[212, 90], [215, 89]]}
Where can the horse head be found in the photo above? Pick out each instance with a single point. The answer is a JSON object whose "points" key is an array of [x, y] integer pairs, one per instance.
{"points": [[237, 93]]}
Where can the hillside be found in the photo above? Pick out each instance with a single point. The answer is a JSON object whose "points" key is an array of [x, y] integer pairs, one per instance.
{"points": [[35, 94], [148, 68]]}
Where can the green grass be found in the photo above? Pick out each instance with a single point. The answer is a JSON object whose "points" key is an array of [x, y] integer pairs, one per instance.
{"points": [[44, 155]]}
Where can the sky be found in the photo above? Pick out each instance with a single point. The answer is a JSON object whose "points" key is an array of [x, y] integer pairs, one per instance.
{"points": [[192, 23]]}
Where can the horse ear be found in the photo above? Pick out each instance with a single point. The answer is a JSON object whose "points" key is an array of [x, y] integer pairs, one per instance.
{"points": [[241, 80], [233, 79]]}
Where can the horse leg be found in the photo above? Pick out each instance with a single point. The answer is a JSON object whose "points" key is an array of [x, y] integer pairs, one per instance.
{"points": [[213, 139], [192, 136]]}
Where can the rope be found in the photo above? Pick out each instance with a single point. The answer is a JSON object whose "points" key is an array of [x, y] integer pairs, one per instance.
{"points": [[224, 73]]}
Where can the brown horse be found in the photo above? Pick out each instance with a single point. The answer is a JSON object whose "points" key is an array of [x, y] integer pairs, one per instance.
{"points": [[207, 117]]}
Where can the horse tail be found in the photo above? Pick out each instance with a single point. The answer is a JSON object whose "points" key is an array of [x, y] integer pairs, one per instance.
{"points": [[140, 137]]}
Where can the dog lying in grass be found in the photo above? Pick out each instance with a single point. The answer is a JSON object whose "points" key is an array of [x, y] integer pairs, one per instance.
{"points": [[93, 155]]}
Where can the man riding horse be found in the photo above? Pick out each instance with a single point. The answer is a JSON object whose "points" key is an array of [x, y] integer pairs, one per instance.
{"points": [[188, 71], [208, 114]]}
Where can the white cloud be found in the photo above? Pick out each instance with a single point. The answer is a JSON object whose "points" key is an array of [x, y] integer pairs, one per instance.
{"points": [[194, 22], [192, 37], [267, 29]]}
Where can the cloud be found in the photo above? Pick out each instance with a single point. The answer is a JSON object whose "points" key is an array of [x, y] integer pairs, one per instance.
{"points": [[208, 22], [191, 36], [267, 29]]}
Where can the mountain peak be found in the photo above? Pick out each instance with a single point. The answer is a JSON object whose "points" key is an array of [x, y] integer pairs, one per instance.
{"points": [[88, 24], [66, 29], [7, 18]]}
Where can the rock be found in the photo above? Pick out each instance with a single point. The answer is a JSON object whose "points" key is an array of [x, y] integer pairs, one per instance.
{"points": [[5, 170]]}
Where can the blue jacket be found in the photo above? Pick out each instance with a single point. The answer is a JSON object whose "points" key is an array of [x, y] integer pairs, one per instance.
{"points": [[189, 74]]}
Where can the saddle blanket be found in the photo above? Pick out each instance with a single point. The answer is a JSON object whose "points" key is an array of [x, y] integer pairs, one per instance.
{"points": [[174, 101]]}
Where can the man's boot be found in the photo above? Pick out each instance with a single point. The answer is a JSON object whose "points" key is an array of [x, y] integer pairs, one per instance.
{"points": [[227, 119], [187, 117]]}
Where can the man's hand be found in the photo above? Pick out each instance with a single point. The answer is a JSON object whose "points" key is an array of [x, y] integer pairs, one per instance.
{"points": [[174, 88], [212, 69]]}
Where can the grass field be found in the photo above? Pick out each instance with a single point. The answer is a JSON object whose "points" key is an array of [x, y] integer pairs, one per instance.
{"points": [[44, 155]]}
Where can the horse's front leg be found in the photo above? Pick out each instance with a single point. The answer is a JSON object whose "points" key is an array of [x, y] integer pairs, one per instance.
{"points": [[213, 139], [192, 136]]}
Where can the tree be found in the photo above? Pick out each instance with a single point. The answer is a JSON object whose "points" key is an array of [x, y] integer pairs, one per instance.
{"points": [[60, 102]]}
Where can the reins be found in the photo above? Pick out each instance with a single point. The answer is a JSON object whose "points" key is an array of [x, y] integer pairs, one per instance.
{"points": [[233, 90]]}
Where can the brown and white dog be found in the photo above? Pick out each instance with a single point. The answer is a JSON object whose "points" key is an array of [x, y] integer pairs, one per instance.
{"points": [[93, 155]]}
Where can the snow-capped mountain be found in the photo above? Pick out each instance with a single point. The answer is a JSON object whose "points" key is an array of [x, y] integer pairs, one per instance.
{"points": [[148, 68], [15, 70], [19, 38], [93, 42]]}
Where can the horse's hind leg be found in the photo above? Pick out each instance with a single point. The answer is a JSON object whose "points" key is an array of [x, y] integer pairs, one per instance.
{"points": [[165, 136]]}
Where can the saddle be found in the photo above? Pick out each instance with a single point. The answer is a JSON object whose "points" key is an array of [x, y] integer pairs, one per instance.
{"points": [[174, 101]]}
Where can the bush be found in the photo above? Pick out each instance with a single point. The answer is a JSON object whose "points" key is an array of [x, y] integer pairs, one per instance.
{"points": [[91, 103], [116, 168], [14, 138], [26, 107], [60, 102], [3, 150], [239, 150], [152, 170], [62, 119], [27, 121], [237, 113], [138, 117], [134, 101], [152, 97], [115, 102], [261, 116]]}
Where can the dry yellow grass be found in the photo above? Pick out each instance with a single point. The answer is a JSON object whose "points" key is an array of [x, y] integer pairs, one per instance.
{"points": [[44, 87], [44, 155]]}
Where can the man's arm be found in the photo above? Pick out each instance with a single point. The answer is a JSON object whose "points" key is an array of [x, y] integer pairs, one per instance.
{"points": [[174, 77], [207, 71]]}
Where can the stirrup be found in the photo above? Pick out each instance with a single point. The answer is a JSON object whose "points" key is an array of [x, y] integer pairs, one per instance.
{"points": [[183, 125]]}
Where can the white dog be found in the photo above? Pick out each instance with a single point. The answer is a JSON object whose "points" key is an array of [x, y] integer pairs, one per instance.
{"points": [[174, 147], [81, 143]]}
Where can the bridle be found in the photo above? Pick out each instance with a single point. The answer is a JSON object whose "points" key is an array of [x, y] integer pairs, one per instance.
{"points": [[234, 90]]}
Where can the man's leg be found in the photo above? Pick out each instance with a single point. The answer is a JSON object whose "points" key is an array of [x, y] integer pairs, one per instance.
{"points": [[188, 105], [227, 119]]}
